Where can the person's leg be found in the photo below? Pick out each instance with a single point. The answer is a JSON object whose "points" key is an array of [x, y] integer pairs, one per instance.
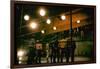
{"points": [[67, 55], [36, 56], [58, 55], [29, 60], [63, 53], [67, 58], [40, 56], [72, 55], [39, 59], [61, 56], [36, 59], [33, 59], [54, 57], [51, 58]]}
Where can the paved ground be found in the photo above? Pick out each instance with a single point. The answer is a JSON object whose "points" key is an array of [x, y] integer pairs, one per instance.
{"points": [[64, 60], [77, 59]]}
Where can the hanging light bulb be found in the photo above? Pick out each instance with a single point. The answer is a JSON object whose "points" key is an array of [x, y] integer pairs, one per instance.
{"points": [[33, 25], [48, 21], [54, 28], [26, 17], [42, 31], [63, 17], [78, 21], [42, 12]]}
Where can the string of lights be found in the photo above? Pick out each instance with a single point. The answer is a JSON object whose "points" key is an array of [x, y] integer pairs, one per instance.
{"points": [[42, 12]]}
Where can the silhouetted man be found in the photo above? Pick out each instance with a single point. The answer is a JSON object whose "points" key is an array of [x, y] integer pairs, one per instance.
{"points": [[70, 49], [54, 51]]}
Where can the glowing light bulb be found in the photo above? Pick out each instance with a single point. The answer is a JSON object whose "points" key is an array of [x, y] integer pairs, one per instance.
{"points": [[78, 21], [42, 12], [42, 31], [54, 28], [48, 21], [63, 17], [33, 25], [26, 17]]}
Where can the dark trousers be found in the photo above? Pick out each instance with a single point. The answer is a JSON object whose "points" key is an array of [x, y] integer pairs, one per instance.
{"points": [[62, 54], [55, 55], [38, 56], [58, 55], [30, 60], [70, 53]]}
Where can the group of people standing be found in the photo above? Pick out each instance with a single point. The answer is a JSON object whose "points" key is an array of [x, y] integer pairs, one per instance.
{"points": [[61, 51], [55, 53]]}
